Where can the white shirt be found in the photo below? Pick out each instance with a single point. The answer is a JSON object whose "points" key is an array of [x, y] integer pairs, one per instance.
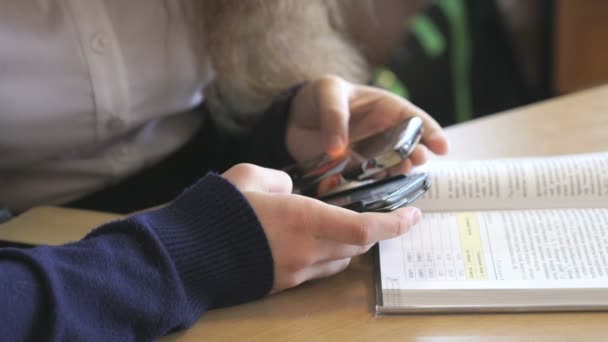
{"points": [[90, 92]]}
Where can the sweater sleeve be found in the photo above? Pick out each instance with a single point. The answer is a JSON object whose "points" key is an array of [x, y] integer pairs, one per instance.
{"points": [[262, 142], [266, 145], [141, 277]]}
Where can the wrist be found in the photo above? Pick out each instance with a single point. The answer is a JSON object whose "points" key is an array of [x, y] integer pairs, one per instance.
{"points": [[216, 242], [268, 144]]}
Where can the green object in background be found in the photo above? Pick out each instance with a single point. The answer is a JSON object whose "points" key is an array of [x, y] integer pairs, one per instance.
{"points": [[429, 36], [434, 44], [386, 79], [456, 13]]}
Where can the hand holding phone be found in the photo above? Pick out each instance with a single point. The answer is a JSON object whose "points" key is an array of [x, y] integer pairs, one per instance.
{"points": [[363, 160], [349, 180]]}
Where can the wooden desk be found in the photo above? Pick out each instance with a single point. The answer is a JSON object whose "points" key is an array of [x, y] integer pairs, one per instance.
{"points": [[341, 307]]}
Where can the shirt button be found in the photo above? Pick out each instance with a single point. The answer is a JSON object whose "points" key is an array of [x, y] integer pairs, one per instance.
{"points": [[100, 43], [115, 124]]}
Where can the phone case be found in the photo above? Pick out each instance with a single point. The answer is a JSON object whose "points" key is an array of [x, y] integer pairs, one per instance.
{"points": [[383, 195]]}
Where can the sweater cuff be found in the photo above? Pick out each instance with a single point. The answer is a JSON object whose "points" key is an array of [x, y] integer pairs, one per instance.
{"points": [[216, 242]]}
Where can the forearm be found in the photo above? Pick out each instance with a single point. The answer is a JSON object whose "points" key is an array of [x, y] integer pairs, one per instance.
{"points": [[142, 277]]}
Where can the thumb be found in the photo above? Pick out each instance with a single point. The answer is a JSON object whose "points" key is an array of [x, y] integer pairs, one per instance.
{"points": [[249, 177], [332, 95]]}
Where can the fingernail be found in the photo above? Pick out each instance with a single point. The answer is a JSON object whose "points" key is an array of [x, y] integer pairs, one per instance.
{"points": [[336, 146], [415, 215]]}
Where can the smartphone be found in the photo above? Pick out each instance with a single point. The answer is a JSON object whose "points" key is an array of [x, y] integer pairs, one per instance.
{"points": [[382, 151], [363, 160], [383, 195]]}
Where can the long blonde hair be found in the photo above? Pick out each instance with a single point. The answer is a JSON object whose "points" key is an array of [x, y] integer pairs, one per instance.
{"points": [[258, 48]]}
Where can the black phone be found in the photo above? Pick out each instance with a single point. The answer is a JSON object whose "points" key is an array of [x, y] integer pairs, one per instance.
{"points": [[382, 195]]}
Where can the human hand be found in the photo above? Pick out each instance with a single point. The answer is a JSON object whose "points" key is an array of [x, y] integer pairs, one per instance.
{"points": [[330, 112], [310, 239]]}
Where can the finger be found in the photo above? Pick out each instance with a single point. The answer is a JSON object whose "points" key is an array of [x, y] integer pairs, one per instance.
{"points": [[432, 133], [249, 177], [332, 101], [436, 142], [324, 221], [381, 102], [419, 155], [372, 113], [403, 168]]}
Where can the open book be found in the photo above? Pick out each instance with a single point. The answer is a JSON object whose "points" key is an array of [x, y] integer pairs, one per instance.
{"points": [[504, 235]]}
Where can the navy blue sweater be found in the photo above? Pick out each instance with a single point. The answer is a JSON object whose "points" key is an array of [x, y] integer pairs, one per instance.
{"points": [[141, 277], [152, 273]]}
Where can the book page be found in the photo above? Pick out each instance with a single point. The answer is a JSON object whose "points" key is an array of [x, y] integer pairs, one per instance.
{"points": [[579, 181], [526, 249]]}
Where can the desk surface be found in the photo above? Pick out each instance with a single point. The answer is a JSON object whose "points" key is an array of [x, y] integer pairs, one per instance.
{"points": [[341, 307]]}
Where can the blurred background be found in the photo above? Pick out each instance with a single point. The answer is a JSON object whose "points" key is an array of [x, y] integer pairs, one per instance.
{"points": [[461, 59]]}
